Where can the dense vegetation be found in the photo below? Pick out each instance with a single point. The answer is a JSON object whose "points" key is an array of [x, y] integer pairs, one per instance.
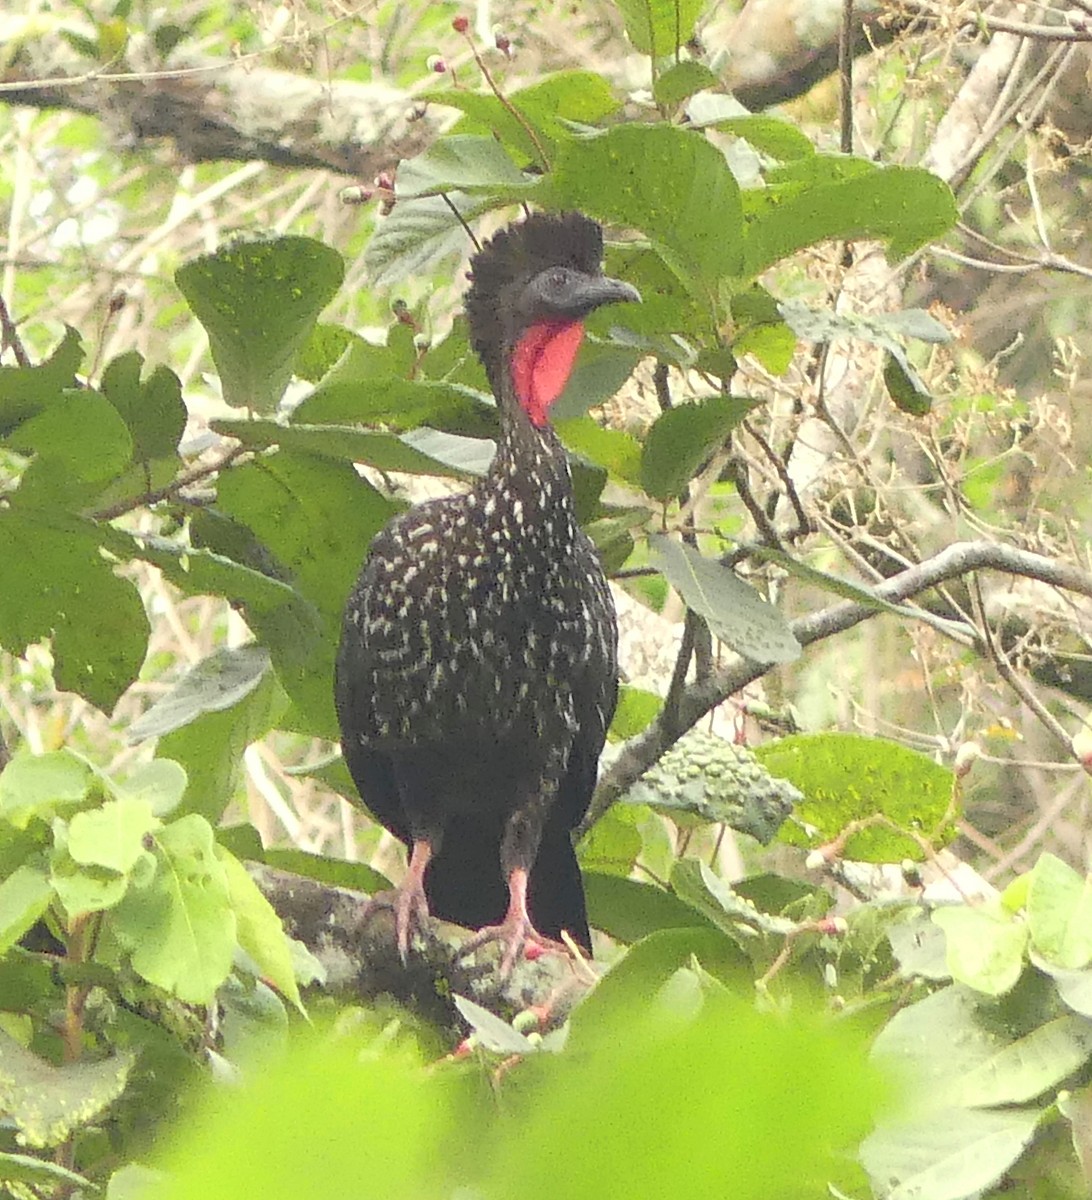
{"points": [[863, 526]]}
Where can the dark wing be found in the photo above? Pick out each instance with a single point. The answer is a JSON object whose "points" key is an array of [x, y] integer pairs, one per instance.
{"points": [[371, 770]]}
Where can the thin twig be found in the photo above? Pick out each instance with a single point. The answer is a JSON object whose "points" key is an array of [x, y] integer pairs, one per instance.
{"points": [[462, 221], [845, 76], [1004, 668], [146, 499], [11, 336]]}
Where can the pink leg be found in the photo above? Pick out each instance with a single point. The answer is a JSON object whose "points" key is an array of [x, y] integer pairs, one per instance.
{"points": [[516, 930], [407, 901]]}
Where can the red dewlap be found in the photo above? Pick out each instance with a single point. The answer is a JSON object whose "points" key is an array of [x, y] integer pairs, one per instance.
{"points": [[542, 363]]}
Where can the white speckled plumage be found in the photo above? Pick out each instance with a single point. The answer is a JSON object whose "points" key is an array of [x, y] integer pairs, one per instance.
{"points": [[477, 669]]}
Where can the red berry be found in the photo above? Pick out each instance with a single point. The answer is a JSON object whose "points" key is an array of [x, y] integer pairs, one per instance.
{"points": [[385, 180], [504, 43], [435, 63], [460, 24]]}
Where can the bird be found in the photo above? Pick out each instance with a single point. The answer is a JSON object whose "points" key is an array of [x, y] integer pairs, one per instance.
{"points": [[477, 672]]}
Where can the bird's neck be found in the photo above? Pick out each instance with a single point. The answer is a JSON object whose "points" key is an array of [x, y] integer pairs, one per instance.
{"points": [[531, 466]]}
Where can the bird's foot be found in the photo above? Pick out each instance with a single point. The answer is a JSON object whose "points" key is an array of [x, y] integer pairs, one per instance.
{"points": [[518, 935], [410, 908]]}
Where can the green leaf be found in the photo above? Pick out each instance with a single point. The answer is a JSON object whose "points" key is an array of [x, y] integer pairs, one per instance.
{"points": [[613, 843], [954, 1154], [133, 1181], [734, 611], [617, 451], [1059, 913], [462, 455], [848, 777], [25, 391], [680, 81], [659, 27], [317, 517], [320, 353], [670, 183], [985, 947], [421, 234], [44, 786], [210, 746], [152, 410], [39, 1174], [401, 404], [260, 932], [601, 369], [682, 439], [846, 588], [1074, 987], [635, 711], [466, 164], [47, 1104], [341, 443], [112, 836], [778, 139], [628, 910], [180, 928], [493, 1033], [356, 876], [160, 783], [693, 882], [216, 683], [24, 897], [904, 206], [83, 890], [905, 386], [258, 302], [1029, 1067], [54, 581], [78, 438], [550, 107]]}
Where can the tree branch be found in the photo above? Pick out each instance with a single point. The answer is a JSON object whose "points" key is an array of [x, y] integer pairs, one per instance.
{"points": [[234, 110], [361, 961], [736, 672]]}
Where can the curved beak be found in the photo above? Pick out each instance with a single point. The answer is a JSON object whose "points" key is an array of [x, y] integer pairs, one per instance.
{"points": [[590, 292]]}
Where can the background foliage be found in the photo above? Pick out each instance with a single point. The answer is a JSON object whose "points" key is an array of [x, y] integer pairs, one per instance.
{"points": [[219, 381]]}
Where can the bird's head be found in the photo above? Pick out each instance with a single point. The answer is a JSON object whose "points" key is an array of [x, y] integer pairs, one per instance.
{"points": [[532, 286]]}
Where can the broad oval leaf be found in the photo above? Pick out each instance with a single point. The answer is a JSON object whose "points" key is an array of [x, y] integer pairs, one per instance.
{"points": [[847, 777], [24, 896], [43, 786], [734, 611], [217, 682], [54, 582], [1059, 913], [463, 163], [670, 183], [548, 107], [152, 408], [682, 439], [985, 947], [111, 836], [180, 928], [904, 206], [258, 301], [343, 443], [659, 27]]}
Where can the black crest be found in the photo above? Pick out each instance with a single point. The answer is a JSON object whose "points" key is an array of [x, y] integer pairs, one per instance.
{"points": [[515, 256]]}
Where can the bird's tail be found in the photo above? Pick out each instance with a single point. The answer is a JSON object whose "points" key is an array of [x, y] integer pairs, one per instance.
{"points": [[464, 884]]}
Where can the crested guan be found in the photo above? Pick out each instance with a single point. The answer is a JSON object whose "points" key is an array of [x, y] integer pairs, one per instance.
{"points": [[477, 670]]}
